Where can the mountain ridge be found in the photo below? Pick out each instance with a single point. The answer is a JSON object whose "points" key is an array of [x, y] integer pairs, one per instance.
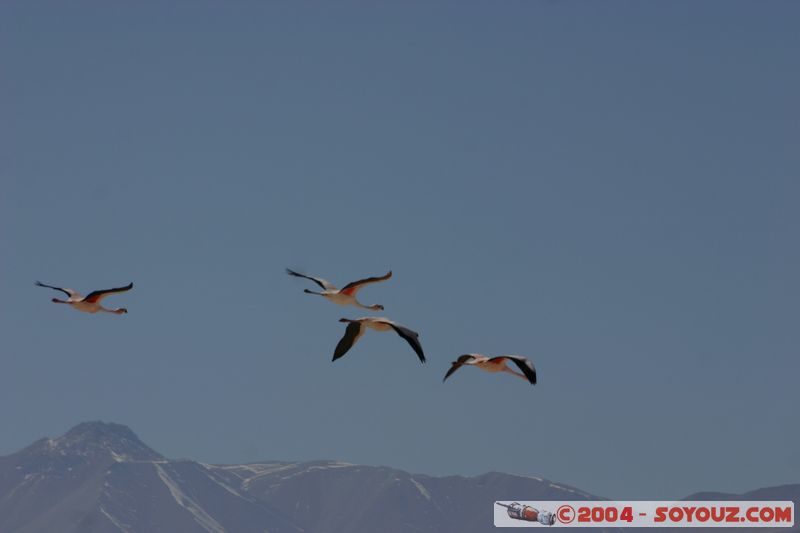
{"points": [[100, 477]]}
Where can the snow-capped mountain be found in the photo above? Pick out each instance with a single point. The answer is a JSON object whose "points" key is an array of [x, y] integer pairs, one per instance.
{"points": [[328, 497], [100, 478]]}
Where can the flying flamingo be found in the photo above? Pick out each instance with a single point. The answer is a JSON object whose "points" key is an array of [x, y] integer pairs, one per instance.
{"points": [[496, 364], [356, 328], [347, 294], [91, 303]]}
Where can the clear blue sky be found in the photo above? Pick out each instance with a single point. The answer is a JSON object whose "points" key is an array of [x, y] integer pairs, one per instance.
{"points": [[610, 188]]}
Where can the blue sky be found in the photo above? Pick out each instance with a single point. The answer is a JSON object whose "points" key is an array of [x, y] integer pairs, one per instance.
{"points": [[609, 188]]}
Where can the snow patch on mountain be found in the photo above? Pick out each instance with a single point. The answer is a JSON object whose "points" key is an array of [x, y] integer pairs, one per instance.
{"points": [[422, 490], [201, 517], [122, 527]]}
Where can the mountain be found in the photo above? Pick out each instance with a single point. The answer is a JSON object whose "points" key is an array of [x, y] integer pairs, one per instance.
{"points": [[100, 478], [782, 492], [334, 497]]}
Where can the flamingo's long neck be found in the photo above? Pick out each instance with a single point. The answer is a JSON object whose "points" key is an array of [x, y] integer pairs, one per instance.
{"points": [[362, 306]]}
